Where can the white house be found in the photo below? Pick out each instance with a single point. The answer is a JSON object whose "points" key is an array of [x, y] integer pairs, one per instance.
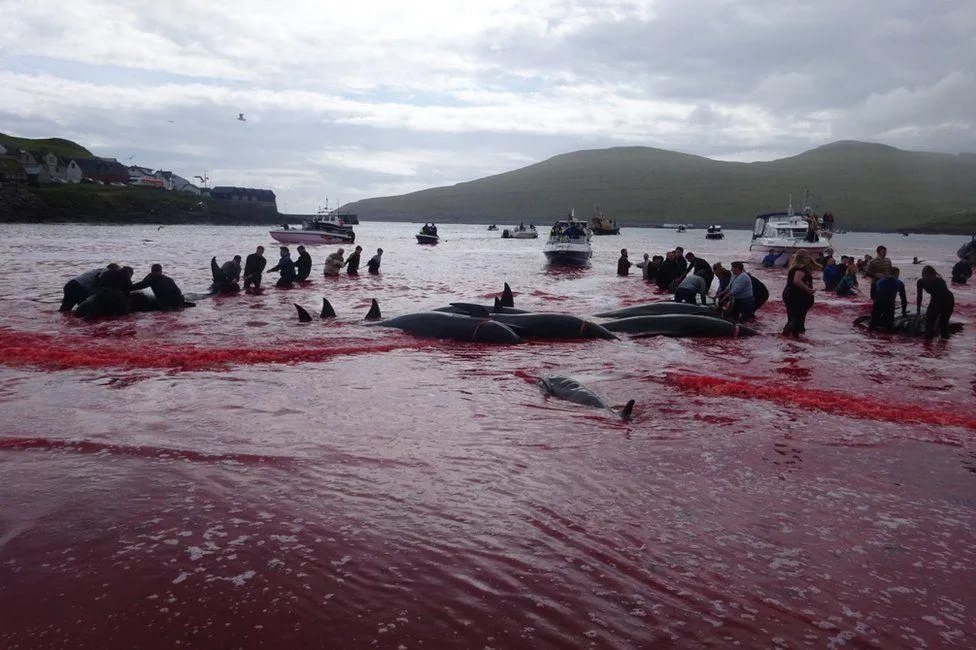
{"points": [[73, 173]]}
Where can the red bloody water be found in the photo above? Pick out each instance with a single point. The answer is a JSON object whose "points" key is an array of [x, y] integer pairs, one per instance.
{"points": [[228, 477]]}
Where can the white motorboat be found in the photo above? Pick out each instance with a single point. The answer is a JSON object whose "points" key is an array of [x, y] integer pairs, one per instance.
{"points": [[569, 243], [520, 232], [324, 228], [714, 232], [787, 232]]}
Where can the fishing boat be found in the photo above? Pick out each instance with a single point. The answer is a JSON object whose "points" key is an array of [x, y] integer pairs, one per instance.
{"points": [[681, 228], [492, 227], [600, 224], [520, 231], [323, 228], [569, 243], [714, 232], [787, 232]]}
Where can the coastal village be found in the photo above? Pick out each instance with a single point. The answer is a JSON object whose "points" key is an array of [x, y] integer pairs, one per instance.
{"points": [[25, 168]]}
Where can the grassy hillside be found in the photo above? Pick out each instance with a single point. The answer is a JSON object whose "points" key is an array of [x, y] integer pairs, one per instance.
{"points": [[866, 186], [59, 146]]}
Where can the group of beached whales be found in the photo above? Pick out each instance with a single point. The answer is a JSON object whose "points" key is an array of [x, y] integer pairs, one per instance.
{"points": [[503, 323]]}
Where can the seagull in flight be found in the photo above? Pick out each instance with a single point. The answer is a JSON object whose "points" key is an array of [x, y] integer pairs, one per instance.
{"points": [[241, 118]]}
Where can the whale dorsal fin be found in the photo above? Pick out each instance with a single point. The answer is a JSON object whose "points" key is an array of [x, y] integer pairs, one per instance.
{"points": [[508, 300], [478, 311], [374, 311], [327, 310], [303, 315], [628, 411]]}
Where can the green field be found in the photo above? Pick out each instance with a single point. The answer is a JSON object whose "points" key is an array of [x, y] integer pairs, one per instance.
{"points": [[866, 186], [58, 146]]}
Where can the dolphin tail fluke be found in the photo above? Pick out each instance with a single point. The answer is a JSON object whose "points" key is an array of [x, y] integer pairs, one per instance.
{"points": [[628, 412], [508, 300], [215, 270], [497, 308], [327, 310], [374, 311], [303, 315]]}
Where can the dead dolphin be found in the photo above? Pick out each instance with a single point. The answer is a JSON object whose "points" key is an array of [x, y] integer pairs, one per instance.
{"points": [[679, 325], [458, 327], [569, 389], [910, 324]]}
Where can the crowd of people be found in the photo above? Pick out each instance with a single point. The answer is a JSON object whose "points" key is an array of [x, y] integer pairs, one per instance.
{"points": [[293, 271], [739, 295]]}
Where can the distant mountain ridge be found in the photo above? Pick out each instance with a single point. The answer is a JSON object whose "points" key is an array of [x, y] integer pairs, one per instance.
{"points": [[868, 186], [58, 146]]}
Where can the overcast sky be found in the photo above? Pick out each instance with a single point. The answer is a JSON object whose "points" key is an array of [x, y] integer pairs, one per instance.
{"points": [[350, 100]]}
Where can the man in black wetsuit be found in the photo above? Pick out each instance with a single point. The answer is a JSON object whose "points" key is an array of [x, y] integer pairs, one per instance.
{"points": [[253, 268], [168, 295], [668, 271], [352, 262], [303, 265], [373, 265], [116, 277]]}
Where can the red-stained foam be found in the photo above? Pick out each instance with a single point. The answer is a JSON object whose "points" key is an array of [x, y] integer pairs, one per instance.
{"points": [[62, 353], [854, 406]]}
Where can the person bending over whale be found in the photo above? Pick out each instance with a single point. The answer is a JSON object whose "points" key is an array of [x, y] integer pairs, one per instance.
{"points": [[168, 295], [286, 268], [692, 285], [79, 288], [303, 265], [230, 275], [116, 277], [883, 308], [940, 305]]}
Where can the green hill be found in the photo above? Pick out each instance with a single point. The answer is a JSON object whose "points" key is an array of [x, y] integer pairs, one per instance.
{"points": [[58, 146], [867, 187]]}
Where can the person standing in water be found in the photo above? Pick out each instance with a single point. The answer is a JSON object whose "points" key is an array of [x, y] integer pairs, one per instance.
{"points": [[373, 265], [303, 265], [80, 288], [798, 295], [941, 304], [286, 267], [253, 268], [334, 262], [352, 263], [623, 264]]}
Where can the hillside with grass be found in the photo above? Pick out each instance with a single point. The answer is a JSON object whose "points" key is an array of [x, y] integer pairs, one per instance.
{"points": [[58, 146], [867, 187]]}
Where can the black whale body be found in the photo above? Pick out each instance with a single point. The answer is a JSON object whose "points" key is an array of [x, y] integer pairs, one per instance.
{"points": [[678, 325]]}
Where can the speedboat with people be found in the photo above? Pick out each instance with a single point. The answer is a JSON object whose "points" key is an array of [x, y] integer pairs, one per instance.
{"points": [[520, 231], [714, 232], [784, 233], [600, 224], [323, 228], [428, 234], [569, 243], [492, 227]]}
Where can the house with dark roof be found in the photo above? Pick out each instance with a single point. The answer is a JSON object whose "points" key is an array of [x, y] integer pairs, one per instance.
{"points": [[99, 169], [264, 198]]}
